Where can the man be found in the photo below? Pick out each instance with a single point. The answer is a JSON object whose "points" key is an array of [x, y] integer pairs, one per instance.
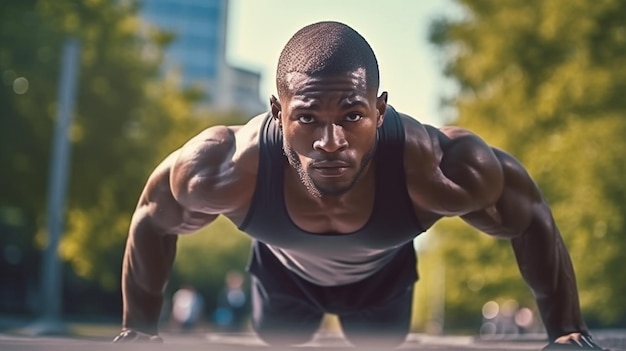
{"points": [[334, 184]]}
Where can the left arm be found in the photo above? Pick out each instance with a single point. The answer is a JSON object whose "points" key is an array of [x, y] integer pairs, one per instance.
{"points": [[458, 174], [522, 214]]}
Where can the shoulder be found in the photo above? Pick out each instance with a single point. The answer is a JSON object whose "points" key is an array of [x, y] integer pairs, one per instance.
{"points": [[434, 143], [461, 146], [220, 147], [215, 161], [432, 147], [450, 168], [422, 145]]}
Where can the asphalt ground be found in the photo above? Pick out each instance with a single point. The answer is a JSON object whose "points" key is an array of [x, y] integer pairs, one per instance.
{"points": [[615, 340]]}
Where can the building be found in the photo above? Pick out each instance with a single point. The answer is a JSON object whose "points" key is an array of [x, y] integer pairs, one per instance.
{"points": [[199, 52]]}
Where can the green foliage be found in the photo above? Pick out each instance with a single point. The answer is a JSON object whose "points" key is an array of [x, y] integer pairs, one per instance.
{"points": [[545, 80], [467, 269], [128, 117]]}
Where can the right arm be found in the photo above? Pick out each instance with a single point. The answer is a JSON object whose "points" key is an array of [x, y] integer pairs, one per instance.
{"points": [[151, 247], [211, 174], [186, 192]]}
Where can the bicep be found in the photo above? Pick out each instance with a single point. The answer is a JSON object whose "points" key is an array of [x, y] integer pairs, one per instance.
{"points": [[204, 176], [465, 177], [518, 206], [159, 211]]}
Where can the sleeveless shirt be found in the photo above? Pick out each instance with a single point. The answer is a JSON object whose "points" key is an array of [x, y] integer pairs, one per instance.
{"points": [[331, 259]]}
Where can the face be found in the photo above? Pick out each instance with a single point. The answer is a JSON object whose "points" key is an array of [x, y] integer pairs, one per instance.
{"points": [[329, 128]]}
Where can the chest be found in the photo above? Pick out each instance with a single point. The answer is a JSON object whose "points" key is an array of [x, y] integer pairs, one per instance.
{"points": [[341, 217], [375, 223]]}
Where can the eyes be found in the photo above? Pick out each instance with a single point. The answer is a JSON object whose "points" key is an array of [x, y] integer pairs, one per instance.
{"points": [[353, 117], [310, 119], [306, 119]]}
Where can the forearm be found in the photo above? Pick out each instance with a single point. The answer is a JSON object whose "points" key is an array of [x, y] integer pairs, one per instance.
{"points": [[546, 266], [147, 264]]}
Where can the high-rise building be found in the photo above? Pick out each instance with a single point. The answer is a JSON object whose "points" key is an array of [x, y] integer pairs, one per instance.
{"points": [[199, 52]]}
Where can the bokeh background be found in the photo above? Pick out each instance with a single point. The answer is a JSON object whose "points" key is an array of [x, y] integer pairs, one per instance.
{"points": [[544, 80]]}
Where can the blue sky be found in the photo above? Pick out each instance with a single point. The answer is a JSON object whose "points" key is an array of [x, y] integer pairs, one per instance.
{"points": [[397, 31]]}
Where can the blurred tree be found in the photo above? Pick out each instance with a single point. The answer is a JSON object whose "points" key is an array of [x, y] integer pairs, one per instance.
{"points": [[128, 117], [546, 81], [28, 69]]}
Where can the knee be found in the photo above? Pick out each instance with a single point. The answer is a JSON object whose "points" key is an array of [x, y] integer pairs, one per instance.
{"points": [[280, 334], [283, 338], [376, 337], [376, 341]]}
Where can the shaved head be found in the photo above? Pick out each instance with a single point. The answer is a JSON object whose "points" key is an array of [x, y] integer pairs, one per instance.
{"points": [[326, 48]]}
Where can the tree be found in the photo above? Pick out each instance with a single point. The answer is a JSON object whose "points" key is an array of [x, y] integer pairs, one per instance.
{"points": [[128, 117], [545, 81]]}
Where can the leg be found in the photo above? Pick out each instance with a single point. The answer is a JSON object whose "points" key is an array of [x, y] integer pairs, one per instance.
{"points": [[281, 319], [384, 326]]}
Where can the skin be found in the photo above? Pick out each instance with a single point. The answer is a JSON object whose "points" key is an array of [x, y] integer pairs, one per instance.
{"points": [[329, 127]]}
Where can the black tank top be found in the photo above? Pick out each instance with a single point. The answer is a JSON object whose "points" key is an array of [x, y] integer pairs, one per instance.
{"points": [[334, 258]]}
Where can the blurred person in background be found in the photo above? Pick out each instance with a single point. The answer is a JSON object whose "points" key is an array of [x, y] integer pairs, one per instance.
{"points": [[187, 308], [232, 304]]}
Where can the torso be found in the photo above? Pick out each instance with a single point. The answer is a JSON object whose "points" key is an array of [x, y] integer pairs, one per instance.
{"points": [[417, 175], [330, 242], [345, 217], [334, 242]]}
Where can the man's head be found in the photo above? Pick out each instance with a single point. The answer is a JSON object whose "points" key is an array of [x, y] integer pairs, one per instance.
{"points": [[326, 48], [329, 111]]}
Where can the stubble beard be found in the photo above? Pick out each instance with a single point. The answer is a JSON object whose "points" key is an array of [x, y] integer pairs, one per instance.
{"points": [[315, 189]]}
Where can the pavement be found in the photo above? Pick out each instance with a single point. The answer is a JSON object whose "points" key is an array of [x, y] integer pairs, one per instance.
{"points": [[18, 335], [615, 340]]}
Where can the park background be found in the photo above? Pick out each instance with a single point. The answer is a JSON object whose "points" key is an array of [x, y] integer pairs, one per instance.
{"points": [[544, 80]]}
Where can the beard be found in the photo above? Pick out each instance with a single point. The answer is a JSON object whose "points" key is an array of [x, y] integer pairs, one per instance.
{"points": [[318, 190]]}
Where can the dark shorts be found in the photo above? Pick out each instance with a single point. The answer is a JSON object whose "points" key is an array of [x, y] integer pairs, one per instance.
{"points": [[286, 304]]}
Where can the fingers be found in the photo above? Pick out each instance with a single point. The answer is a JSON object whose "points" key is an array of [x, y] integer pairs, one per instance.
{"points": [[588, 341], [574, 341], [128, 335], [569, 339]]}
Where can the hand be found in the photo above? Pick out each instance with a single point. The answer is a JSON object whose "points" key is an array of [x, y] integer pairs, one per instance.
{"points": [[128, 335], [574, 341]]}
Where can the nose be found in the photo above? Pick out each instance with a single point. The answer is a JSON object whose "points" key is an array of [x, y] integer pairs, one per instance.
{"points": [[332, 139]]}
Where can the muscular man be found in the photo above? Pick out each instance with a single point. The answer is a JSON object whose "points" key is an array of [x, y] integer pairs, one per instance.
{"points": [[333, 185]]}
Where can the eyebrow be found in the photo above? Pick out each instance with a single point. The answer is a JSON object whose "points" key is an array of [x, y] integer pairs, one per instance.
{"points": [[314, 105], [353, 103], [302, 105]]}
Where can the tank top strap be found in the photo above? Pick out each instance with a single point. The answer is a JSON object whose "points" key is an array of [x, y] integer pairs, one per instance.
{"points": [[270, 172], [390, 152], [394, 201]]}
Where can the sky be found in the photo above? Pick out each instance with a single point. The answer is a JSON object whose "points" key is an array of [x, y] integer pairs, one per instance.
{"points": [[397, 30]]}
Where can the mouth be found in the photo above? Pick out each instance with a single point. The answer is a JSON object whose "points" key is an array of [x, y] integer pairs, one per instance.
{"points": [[330, 169]]}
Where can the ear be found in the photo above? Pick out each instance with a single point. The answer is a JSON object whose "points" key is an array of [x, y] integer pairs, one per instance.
{"points": [[275, 107], [381, 107]]}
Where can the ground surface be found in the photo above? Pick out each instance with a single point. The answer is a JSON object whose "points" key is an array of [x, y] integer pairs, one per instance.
{"points": [[615, 340], [16, 334]]}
